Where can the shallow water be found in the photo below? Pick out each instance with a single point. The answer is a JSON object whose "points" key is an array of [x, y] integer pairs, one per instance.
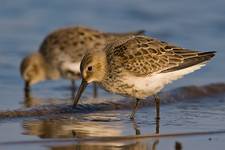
{"points": [[191, 24], [180, 122]]}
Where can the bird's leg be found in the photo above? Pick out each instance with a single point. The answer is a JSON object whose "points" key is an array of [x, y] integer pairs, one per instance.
{"points": [[137, 131], [178, 146], [157, 126], [157, 119], [27, 87], [155, 144], [73, 85], [95, 90], [134, 109], [157, 106], [27, 98], [73, 88]]}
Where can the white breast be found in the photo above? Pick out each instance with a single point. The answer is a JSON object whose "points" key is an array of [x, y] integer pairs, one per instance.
{"points": [[70, 70], [75, 67], [150, 85]]}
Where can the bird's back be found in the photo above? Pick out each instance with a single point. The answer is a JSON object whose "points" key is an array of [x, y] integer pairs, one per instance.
{"points": [[146, 65], [64, 48], [70, 44]]}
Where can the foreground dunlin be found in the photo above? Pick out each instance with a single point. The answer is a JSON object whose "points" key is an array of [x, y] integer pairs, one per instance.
{"points": [[61, 51], [138, 66]]}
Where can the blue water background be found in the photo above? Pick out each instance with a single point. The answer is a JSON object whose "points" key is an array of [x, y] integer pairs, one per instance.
{"points": [[24, 23]]}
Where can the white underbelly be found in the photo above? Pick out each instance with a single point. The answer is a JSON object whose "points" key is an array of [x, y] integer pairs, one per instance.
{"points": [[70, 70], [149, 85]]}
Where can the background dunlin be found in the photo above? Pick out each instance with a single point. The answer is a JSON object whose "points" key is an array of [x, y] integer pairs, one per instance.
{"points": [[61, 51]]}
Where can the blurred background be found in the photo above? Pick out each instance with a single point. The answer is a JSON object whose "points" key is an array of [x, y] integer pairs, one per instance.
{"points": [[192, 24], [24, 24]]}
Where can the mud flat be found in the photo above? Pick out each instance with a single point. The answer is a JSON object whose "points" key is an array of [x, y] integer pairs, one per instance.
{"points": [[188, 93]]}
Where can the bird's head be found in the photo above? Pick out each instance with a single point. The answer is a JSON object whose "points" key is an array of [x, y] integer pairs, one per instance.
{"points": [[92, 68], [32, 69]]}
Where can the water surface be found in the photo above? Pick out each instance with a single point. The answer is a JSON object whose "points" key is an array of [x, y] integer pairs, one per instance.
{"points": [[191, 24]]}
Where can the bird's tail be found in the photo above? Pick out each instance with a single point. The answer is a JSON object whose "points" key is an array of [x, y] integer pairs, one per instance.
{"points": [[192, 58]]}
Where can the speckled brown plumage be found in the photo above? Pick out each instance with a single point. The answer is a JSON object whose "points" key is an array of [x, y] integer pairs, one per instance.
{"points": [[143, 56], [139, 66], [61, 51], [132, 63], [70, 44]]}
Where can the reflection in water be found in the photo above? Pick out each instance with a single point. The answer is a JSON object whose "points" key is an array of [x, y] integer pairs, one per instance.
{"points": [[70, 128], [137, 130], [46, 129], [131, 145], [30, 101], [178, 146], [98, 124], [154, 145], [91, 125], [104, 146], [157, 126], [112, 104]]}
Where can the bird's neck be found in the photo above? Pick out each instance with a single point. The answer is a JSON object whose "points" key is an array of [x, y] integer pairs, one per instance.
{"points": [[101, 65], [49, 72]]}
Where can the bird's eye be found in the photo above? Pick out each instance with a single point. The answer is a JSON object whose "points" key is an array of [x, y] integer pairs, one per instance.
{"points": [[89, 68]]}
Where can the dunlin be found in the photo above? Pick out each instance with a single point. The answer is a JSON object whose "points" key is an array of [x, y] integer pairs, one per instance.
{"points": [[138, 66], [61, 51]]}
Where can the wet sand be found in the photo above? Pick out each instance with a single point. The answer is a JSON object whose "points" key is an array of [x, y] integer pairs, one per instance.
{"points": [[187, 114], [188, 93], [44, 120]]}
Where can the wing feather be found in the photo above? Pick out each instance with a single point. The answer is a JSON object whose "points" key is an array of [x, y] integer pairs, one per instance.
{"points": [[142, 55]]}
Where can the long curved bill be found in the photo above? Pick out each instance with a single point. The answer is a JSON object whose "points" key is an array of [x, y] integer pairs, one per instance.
{"points": [[83, 85]]}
